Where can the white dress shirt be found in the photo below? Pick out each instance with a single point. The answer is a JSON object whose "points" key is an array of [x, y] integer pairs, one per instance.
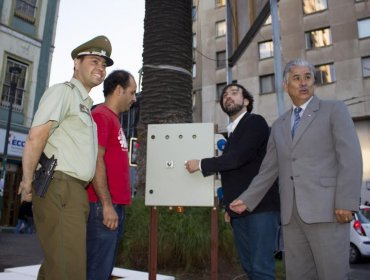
{"points": [[303, 107]]}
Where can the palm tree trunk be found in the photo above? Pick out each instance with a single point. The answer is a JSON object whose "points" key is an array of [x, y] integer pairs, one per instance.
{"points": [[167, 64]]}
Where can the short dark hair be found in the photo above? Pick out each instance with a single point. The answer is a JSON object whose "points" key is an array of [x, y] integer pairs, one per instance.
{"points": [[114, 79], [246, 95]]}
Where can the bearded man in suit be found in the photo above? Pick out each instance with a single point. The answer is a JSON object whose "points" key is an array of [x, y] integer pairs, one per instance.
{"points": [[314, 150], [255, 233]]}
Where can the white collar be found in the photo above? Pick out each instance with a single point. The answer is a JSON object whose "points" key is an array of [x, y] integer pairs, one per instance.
{"points": [[303, 106], [231, 126]]}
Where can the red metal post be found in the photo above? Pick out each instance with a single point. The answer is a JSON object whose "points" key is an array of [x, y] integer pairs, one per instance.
{"points": [[214, 241], [153, 246]]}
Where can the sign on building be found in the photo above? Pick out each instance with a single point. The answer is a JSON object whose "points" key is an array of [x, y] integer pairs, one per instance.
{"points": [[15, 144]]}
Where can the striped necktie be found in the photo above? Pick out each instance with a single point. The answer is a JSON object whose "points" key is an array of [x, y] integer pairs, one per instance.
{"points": [[297, 119]]}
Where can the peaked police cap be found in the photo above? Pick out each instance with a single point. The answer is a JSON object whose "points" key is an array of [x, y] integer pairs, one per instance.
{"points": [[99, 46]]}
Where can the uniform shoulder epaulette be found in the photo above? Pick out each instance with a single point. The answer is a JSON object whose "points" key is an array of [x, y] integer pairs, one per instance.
{"points": [[69, 84]]}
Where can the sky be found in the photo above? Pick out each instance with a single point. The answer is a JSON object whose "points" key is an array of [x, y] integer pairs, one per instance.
{"points": [[122, 21]]}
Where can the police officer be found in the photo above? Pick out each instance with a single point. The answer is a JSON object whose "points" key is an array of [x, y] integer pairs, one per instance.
{"points": [[63, 127]]}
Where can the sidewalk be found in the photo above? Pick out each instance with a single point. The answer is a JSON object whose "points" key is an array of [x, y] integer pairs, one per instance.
{"points": [[21, 256], [18, 249]]}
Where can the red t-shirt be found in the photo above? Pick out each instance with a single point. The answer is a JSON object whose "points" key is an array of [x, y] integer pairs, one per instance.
{"points": [[112, 138]]}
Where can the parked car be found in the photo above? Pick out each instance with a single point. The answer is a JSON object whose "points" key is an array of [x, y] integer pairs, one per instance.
{"points": [[366, 211], [360, 235]]}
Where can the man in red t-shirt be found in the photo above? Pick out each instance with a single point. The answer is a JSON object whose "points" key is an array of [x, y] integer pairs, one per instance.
{"points": [[110, 188]]}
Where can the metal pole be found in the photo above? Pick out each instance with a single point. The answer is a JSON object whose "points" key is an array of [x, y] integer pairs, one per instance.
{"points": [[277, 57], [14, 74], [214, 241], [153, 243], [229, 42], [5, 154]]}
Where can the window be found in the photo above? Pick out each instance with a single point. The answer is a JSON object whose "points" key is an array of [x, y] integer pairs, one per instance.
{"points": [[318, 38], [194, 45], [325, 74], [363, 28], [219, 88], [366, 66], [194, 70], [19, 92], [221, 59], [268, 20], [194, 13], [220, 3], [26, 9], [220, 28], [266, 49], [313, 6], [267, 83]]}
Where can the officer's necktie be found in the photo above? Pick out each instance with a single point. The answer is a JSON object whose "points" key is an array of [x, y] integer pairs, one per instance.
{"points": [[297, 119]]}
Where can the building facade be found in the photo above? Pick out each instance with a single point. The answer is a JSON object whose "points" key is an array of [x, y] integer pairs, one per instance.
{"points": [[27, 33], [334, 35]]}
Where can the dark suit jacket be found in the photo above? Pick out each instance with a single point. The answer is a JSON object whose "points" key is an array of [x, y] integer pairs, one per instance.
{"points": [[240, 163]]}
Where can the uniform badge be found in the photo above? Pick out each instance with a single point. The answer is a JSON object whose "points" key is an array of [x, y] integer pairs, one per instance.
{"points": [[84, 109]]}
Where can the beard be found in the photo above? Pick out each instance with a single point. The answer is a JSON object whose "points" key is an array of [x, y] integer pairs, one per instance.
{"points": [[232, 108]]}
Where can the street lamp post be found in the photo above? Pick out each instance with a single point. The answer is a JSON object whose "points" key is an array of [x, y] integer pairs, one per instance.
{"points": [[14, 75]]}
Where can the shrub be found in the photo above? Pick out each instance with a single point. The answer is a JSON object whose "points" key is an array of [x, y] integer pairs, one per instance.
{"points": [[184, 239], [184, 243]]}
